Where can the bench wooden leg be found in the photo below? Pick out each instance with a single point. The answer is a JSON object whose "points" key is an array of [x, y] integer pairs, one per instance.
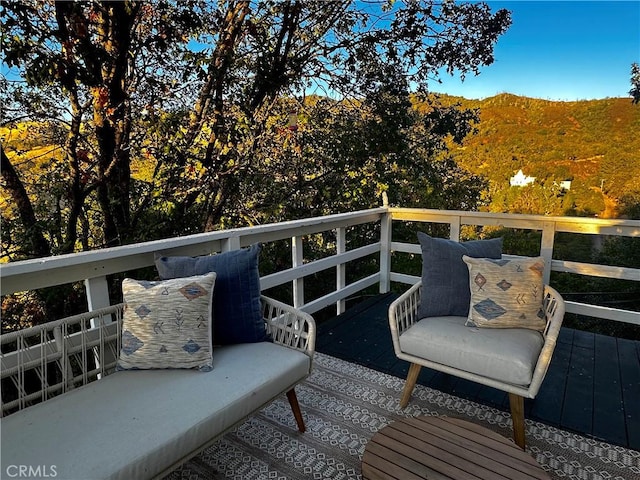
{"points": [[516, 403], [412, 378], [295, 408]]}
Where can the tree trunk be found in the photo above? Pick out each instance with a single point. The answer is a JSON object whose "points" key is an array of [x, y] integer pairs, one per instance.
{"points": [[112, 119], [37, 244]]}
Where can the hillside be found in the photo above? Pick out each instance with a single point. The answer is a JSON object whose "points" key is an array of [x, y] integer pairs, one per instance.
{"points": [[594, 144]]}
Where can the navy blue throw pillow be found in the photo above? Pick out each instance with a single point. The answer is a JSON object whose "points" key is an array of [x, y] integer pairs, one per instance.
{"points": [[237, 315], [445, 276]]}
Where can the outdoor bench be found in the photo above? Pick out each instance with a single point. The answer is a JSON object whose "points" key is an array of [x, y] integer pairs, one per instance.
{"points": [[67, 414]]}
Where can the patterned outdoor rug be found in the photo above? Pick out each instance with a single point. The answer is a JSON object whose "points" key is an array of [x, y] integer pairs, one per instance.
{"points": [[344, 404]]}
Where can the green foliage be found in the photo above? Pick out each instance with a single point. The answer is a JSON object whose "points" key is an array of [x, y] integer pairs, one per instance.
{"points": [[594, 144]]}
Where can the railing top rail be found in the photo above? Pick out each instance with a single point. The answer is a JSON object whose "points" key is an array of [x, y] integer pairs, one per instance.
{"points": [[399, 211], [613, 226], [57, 270]]}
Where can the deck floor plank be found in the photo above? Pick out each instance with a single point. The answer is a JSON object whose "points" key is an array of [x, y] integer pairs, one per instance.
{"points": [[577, 409], [608, 405], [579, 393], [493, 397], [549, 402], [630, 377]]}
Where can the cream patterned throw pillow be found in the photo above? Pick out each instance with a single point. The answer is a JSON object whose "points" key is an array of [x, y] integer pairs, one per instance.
{"points": [[167, 324], [506, 293]]}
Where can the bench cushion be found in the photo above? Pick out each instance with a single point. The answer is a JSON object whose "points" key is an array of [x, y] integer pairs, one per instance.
{"points": [[148, 419], [508, 355]]}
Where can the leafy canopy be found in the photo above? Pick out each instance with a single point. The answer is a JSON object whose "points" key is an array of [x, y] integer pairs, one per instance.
{"points": [[168, 117]]}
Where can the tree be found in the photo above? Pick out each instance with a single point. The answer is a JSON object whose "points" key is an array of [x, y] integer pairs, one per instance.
{"points": [[167, 110], [635, 83], [79, 64]]}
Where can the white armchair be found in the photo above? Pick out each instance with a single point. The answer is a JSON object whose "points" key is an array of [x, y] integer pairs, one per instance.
{"points": [[514, 360]]}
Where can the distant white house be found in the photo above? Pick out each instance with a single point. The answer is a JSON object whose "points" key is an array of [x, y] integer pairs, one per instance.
{"points": [[521, 180], [565, 184]]}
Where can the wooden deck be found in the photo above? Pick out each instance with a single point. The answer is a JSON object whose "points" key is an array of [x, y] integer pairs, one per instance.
{"points": [[592, 386]]}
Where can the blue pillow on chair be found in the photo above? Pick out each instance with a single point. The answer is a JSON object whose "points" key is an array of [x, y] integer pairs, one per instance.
{"points": [[237, 315], [445, 276]]}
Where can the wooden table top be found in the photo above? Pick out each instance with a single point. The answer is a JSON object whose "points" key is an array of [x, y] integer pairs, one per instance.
{"points": [[445, 448]]}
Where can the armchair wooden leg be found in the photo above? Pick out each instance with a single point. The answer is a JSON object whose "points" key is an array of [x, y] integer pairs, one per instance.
{"points": [[295, 408], [516, 402], [412, 377]]}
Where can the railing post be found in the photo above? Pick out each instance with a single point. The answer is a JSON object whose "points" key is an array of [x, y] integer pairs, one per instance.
{"points": [[97, 292], [231, 243], [340, 269], [385, 252], [454, 229], [297, 259], [546, 249]]}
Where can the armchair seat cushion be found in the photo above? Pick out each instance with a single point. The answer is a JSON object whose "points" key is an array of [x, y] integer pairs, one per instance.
{"points": [[506, 355]]}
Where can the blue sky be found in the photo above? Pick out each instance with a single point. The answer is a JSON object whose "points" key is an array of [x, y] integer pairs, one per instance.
{"points": [[559, 50], [556, 50]]}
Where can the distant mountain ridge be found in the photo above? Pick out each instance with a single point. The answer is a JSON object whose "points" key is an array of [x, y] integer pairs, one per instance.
{"points": [[593, 143]]}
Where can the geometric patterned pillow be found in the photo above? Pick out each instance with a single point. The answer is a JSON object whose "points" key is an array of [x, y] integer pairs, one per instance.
{"points": [[506, 293], [167, 324]]}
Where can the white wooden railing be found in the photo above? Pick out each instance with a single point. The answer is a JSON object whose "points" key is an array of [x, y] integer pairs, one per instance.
{"points": [[93, 267]]}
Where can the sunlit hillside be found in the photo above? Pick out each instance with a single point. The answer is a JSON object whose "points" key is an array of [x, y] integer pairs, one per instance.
{"points": [[31, 147], [594, 144]]}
